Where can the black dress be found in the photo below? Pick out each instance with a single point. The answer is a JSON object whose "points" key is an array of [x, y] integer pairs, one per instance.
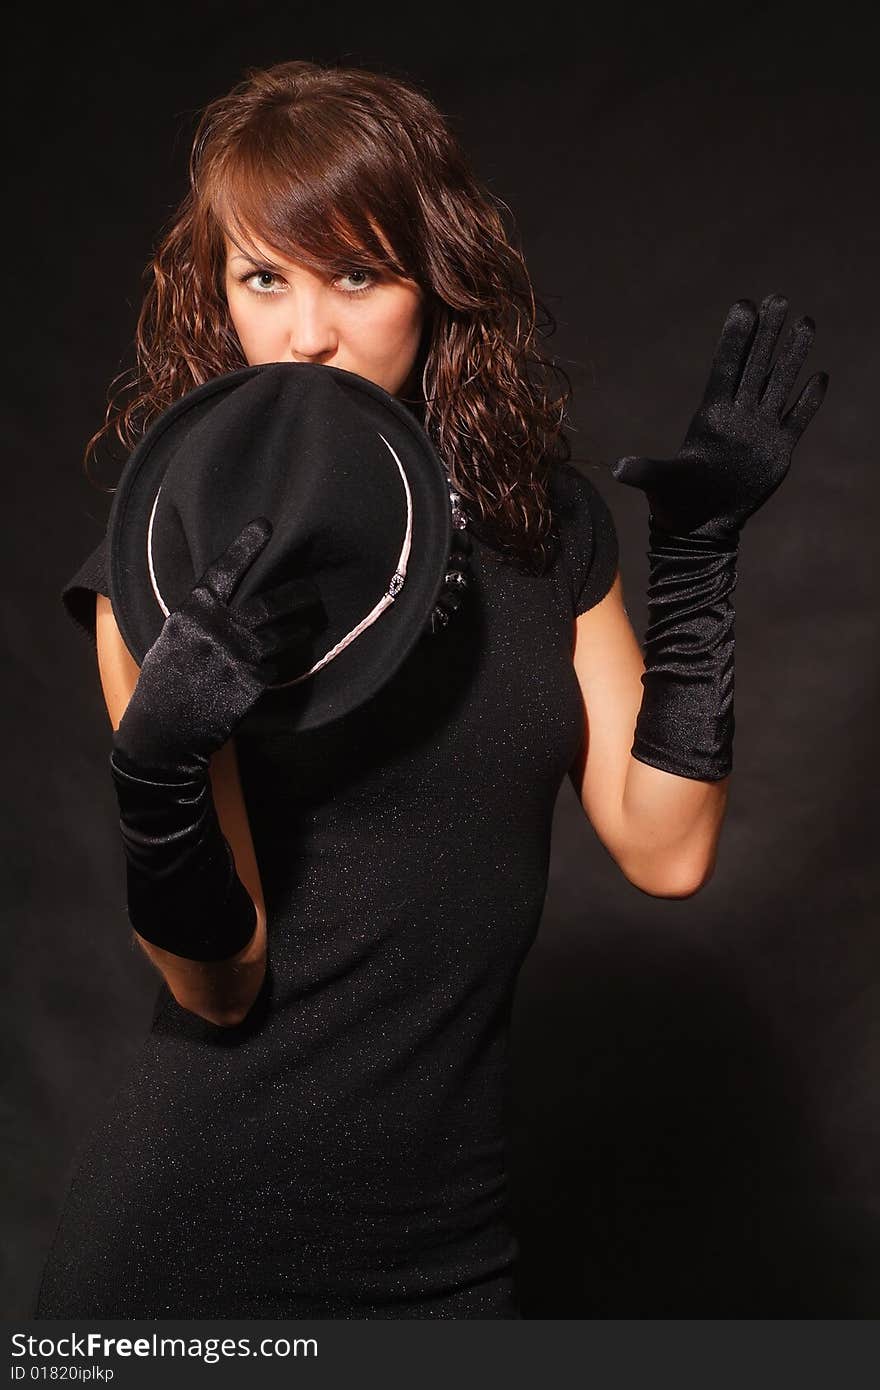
{"points": [[340, 1154]]}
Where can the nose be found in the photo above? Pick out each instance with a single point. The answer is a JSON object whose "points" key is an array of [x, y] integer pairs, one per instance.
{"points": [[313, 335]]}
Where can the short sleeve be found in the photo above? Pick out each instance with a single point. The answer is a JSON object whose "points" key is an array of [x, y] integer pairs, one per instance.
{"points": [[590, 549], [78, 594]]}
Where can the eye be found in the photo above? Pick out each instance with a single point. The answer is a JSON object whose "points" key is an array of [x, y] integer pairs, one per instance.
{"points": [[360, 288], [261, 276], [267, 282]]}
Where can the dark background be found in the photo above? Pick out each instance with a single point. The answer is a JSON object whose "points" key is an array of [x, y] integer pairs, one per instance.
{"points": [[695, 1098]]}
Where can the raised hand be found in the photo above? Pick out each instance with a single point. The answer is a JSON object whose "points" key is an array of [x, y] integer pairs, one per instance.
{"points": [[739, 444]]}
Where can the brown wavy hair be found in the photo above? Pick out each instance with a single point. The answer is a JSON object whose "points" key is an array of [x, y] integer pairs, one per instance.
{"points": [[312, 159]]}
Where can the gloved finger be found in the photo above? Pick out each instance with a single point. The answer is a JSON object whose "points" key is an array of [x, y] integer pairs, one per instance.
{"points": [[631, 470], [224, 574], [787, 365], [731, 349], [771, 317], [287, 634], [806, 405], [295, 597], [636, 471], [294, 628]]}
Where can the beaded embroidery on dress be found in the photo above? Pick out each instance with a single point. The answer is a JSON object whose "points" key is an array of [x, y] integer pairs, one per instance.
{"points": [[457, 576]]}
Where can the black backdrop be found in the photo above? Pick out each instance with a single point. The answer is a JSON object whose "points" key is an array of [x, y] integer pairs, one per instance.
{"points": [[694, 1112]]}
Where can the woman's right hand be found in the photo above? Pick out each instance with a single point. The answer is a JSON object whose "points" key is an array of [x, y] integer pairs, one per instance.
{"points": [[213, 660]]}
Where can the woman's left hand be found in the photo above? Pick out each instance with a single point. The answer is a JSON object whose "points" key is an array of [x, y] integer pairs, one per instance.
{"points": [[739, 444]]}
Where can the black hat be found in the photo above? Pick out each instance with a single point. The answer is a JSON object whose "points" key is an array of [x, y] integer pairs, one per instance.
{"points": [[359, 502]]}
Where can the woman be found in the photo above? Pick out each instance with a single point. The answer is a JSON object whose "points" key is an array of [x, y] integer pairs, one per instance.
{"points": [[314, 1126]]}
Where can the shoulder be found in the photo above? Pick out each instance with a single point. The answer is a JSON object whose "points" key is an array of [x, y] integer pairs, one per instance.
{"points": [[589, 547], [79, 593], [86, 601], [576, 498]]}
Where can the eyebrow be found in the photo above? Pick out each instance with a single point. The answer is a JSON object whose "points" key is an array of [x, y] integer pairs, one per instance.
{"points": [[255, 260]]}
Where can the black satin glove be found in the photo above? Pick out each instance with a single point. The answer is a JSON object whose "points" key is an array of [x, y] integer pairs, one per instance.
{"points": [[206, 670], [735, 454], [213, 660], [739, 444]]}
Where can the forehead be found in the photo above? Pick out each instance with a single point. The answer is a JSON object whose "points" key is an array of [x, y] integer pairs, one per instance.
{"points": [[251, 249], [246, 243]]}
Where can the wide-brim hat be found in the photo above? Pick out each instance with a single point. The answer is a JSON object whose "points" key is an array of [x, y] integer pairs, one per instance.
{"points": [[359, 503]]}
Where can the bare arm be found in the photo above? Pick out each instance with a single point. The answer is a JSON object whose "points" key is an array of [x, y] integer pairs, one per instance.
{"points": [[661, 830], [219, 991]]}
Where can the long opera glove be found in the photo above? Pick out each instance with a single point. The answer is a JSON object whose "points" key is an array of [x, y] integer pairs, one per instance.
{"points": [[206, 670], [736, 452]]}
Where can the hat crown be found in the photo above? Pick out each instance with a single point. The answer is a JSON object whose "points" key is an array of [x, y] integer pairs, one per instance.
{"points": [[301, 448]]}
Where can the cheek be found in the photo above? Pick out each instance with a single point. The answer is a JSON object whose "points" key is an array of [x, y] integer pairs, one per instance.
{"points": [[237, 313], [245, 317], [396, 326], [257, 328]]}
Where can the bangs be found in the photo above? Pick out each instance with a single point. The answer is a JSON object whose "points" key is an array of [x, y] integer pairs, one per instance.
{"points": [[323, 208]]}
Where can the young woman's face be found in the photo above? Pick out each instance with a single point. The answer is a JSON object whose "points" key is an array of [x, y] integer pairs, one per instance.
{"points": [[363, 322]]}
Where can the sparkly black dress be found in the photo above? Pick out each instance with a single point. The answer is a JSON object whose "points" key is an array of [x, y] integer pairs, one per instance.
{"points": [[340, 1154]]}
